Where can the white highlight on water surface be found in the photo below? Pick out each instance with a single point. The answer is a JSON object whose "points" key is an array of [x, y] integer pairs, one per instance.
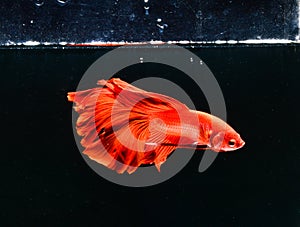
{"points": [[221, 42], [232, 42], [159, 42], [31, 43], [266, 41]]}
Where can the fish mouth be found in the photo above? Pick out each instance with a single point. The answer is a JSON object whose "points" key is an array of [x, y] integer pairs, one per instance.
{"points": [[242, 143]]}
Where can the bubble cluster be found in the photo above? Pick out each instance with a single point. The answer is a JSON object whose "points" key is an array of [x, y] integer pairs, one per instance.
{"points": [[146, 7], [161, 26]]}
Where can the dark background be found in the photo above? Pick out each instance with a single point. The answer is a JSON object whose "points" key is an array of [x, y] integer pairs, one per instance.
{"points": [[45, 181]]}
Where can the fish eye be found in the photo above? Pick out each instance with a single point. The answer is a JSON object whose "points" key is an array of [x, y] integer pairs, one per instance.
{"points": [[231, 143]]}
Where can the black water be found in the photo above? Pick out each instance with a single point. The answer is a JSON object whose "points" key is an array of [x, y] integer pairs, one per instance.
{"points": [[45, 181]]}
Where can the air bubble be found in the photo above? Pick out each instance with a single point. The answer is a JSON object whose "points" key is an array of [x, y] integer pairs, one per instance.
{"points": [[141, 60], [191, 59], [105, 34], [160, 25], [201, 62], [176, 4], [62, 2], [132, 17], [146, 10], [39, 3]]}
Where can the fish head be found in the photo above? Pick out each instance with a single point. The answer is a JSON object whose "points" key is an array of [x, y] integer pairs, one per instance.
{"points": [[228, 140]]}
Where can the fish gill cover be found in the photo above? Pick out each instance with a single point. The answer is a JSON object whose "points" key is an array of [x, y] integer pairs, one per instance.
{"points": [[63, 22]]}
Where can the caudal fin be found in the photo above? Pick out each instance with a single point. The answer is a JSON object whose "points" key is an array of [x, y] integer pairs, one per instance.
{"points": [[114, 123]]}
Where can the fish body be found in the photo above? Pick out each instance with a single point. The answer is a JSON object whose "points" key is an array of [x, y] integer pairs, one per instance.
{"points": [[123, 127]]}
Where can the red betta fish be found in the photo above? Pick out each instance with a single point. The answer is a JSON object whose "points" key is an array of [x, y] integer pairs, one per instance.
{"points": [[123, 127]]}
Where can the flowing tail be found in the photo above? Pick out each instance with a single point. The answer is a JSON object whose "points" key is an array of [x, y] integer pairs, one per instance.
{"points": [[114, 123]]}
